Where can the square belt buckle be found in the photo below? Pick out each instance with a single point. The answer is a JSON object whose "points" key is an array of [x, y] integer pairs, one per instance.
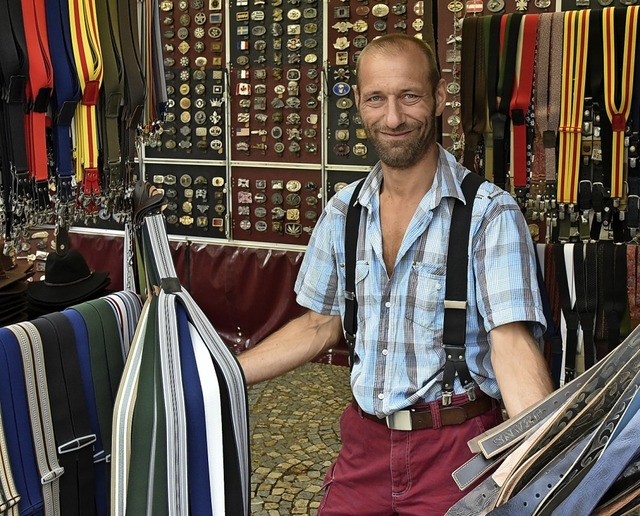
{"points": [[400, 420]]}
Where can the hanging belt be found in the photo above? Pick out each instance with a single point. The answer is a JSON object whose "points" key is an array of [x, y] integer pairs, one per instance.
{"points": [[568, 311], [520, 103], [585, 261], [38, 93], [41, 417], [65, 98], [88, 59], [612, 297], [618, 88], [69, 411], [576, 34]]}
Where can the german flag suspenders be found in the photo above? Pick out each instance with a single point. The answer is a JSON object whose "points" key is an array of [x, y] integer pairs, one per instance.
{"points": [[88, 58]]}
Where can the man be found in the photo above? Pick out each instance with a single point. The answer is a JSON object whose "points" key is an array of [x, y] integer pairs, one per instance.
{"points": [[406, 210]]}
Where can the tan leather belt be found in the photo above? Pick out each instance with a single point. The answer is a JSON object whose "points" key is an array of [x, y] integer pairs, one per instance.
{"points": [[419, 419]]}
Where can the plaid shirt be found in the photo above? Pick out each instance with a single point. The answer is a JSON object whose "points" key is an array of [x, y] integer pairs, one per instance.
{"points": [[398, 350]]}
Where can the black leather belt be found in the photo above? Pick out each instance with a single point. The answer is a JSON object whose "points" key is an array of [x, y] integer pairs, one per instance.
{"points": [[420, 419]]}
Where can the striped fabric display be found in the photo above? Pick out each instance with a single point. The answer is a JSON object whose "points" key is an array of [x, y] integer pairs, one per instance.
{"points": [[180, 436]]}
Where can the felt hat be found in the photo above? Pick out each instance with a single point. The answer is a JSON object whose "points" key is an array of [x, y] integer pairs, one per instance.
{"points": [[67, 280]]}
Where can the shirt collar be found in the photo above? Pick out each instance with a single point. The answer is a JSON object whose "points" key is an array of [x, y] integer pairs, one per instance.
{"points": [[446, 183]]}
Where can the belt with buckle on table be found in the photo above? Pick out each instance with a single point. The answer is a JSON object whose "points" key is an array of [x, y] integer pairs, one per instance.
{"points": [[421, 418]]}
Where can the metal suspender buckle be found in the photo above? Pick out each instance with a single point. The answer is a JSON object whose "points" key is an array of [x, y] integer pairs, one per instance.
{"points": [[77, 443], [54, 474]]}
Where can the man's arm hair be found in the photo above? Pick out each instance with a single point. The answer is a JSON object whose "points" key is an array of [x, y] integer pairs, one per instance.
{"points": [[296, 343]]}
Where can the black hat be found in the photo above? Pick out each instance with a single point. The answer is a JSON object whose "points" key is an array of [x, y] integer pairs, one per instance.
{"points": [[67, 280]]}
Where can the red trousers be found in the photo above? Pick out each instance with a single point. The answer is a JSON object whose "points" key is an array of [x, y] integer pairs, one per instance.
{"points": [[392, 472]]}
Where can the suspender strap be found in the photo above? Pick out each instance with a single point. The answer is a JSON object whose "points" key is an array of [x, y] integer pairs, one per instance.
{"points": [[135, 88], [350, 322], [15, 414], [81, 339], [585, 261], [520, 102], [474, 94], [88, 57], [74, 439], [618, 87], [455, 303], [576, 34], [65, 95], [492, 43], [40, 412], [38, 93], [505, 90], [112, 91]]}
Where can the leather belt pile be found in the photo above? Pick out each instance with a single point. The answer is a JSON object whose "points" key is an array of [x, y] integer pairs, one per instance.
{"points": [[575, 452], [180, 418], [575, 95]]}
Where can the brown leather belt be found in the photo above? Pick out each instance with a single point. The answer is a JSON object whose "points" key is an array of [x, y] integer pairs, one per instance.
{"points": [[421, 418]]}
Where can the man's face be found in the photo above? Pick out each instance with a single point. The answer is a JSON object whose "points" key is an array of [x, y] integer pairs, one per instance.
{"points": [[397, 105]]}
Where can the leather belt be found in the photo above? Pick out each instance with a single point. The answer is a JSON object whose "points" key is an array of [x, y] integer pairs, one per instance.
{"points": [[420, 419]]}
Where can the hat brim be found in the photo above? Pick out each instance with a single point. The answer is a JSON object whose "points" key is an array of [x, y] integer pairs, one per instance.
{"points": [[14, 318], [8, 309], [11, 277], [44, 294], [18, 288]]}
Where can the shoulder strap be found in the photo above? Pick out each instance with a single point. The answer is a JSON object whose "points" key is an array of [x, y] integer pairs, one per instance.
{"points": [[455, 303], [350, 321]]}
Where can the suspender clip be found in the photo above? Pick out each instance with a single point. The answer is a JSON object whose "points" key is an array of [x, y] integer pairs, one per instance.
{"points": [[471, 391], [517, 116], [446, 398], [549, 139], [66, 113], [41, 102], [77, 444], [54, 474], [15, 93], [101, 456], [91, 92], [349, 295]]}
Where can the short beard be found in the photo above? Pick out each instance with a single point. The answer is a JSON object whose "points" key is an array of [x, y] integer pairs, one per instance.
{"points": [[405, 156]]}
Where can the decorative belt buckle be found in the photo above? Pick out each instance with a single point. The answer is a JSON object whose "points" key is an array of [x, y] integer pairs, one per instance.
{"points": [[400, 420]]}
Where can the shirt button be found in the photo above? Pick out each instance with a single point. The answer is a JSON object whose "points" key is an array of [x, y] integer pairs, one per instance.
{"points": [[437, 287], [380, 396], [388, 304], [385, 352]]}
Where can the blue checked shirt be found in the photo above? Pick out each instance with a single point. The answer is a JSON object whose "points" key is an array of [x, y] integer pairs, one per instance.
{"points": [[398, 351]]}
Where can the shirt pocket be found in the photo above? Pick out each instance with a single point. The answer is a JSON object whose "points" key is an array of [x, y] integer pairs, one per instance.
{"points": [[425, 293]]}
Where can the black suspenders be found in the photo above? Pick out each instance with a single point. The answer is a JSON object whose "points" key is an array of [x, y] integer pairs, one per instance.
{"points": [[455, 303]]}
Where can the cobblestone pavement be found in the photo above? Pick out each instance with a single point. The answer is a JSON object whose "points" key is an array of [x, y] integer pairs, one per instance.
{"points": [[293, 422]]}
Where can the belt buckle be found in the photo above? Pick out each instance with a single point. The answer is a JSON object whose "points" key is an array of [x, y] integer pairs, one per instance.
{"points": [[400, 420]]}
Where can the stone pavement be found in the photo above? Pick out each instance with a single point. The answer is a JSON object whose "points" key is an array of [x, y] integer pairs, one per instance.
{"points": [[293, 422]]}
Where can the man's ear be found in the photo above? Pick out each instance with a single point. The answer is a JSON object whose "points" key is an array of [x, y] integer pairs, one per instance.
{"points": [[440, 97]]}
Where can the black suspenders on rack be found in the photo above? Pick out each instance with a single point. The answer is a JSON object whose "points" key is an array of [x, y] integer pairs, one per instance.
{"points": [[455, 304]]}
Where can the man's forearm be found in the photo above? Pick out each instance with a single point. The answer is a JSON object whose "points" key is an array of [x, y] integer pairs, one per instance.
{"points": [[520, 368], [296, 343]]}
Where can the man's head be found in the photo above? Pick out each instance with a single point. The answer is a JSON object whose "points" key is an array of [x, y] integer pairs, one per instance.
{"points": [[399, 93], [391, 45]]}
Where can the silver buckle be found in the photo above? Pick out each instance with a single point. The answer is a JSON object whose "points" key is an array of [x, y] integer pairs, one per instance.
{"points": [[400, 420]]}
